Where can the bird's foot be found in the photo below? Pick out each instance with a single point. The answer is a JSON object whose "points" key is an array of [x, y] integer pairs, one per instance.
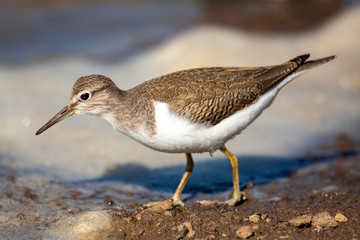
{"points": [[177, 202], [240, 198], [231, 202]]}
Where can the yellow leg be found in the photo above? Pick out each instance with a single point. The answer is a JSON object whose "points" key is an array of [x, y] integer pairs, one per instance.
{"points": [[237, 195], [189, 167]]}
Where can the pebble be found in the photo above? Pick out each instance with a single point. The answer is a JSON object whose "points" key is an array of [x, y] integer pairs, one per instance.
{"points": [[168, 214], [255, 218], [208, 237], [190, 231], [162, 206], [318, 229], [324, 220], [284, 237], [92, 221], [158, 222], [301, 221], [255, 227], [245, 232], [340, 218]]}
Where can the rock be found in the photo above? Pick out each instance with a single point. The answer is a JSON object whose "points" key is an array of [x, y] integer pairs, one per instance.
{"points": [[89, 225], [324, 220], [255, 227], [284, 237], [245, 232], [138, 216], [340, 218], [318, 229], [255, 218], [249, 185], [91, 222], [268, 220], [188, 229], [161, 206], [158, 222], [168, 214], [208, 237], [301, 221]]}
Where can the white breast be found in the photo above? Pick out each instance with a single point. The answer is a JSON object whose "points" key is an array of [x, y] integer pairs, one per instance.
{"points": [[176, 134]]}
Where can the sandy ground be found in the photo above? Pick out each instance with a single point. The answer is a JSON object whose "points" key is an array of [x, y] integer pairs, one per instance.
{"points": [[62, 181]]}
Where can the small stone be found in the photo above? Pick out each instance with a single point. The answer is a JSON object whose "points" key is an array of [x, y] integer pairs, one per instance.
{"points": [[249, 185], [93, 221], [263, 216], [161, 206], [28, 193], [301, 221], [245, 232], [268, 220], [246, 219], [318, 229], [340, 218], [324, 220], [138, 216], [284, 237], [159, 221], [190, 231], [208, 237], [254, 218], [255, 227], [168, 214]]}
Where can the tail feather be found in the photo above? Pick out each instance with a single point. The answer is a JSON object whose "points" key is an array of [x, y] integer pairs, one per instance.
{"points": [[300, 59], [313, 63]]}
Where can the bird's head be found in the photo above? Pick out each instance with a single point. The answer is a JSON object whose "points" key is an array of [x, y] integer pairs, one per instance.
{"points": [[90, 95]]}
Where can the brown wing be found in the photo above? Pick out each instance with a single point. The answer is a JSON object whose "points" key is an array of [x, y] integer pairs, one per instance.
{"points": [[208, 95]]}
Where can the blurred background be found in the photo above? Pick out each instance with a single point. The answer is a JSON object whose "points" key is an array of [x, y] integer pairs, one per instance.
{"points": [[46, 45], [111, 31]]}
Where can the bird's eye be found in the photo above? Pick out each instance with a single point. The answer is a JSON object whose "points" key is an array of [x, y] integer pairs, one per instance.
{"points": [[85, 96]]}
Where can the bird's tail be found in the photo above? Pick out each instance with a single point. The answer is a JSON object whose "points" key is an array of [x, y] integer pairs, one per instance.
{"points": [[313, 63]]}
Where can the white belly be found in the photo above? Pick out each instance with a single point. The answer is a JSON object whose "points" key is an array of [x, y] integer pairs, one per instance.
{"points": [[178, 135]]}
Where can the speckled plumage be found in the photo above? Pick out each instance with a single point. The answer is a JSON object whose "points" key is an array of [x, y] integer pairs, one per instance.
{"points": [[208, 95]]}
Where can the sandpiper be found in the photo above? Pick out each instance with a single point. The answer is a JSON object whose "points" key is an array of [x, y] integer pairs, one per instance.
{"points": [[191, 111]]}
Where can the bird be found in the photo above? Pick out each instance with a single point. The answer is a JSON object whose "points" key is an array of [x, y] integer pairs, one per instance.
{"points": [[189, 111]]}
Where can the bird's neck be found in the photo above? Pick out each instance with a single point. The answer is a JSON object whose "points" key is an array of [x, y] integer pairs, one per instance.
{"points": [[120, 113]]}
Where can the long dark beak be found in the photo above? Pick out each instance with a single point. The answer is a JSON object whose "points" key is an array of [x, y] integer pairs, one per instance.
{"points": [[64, 113]]}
